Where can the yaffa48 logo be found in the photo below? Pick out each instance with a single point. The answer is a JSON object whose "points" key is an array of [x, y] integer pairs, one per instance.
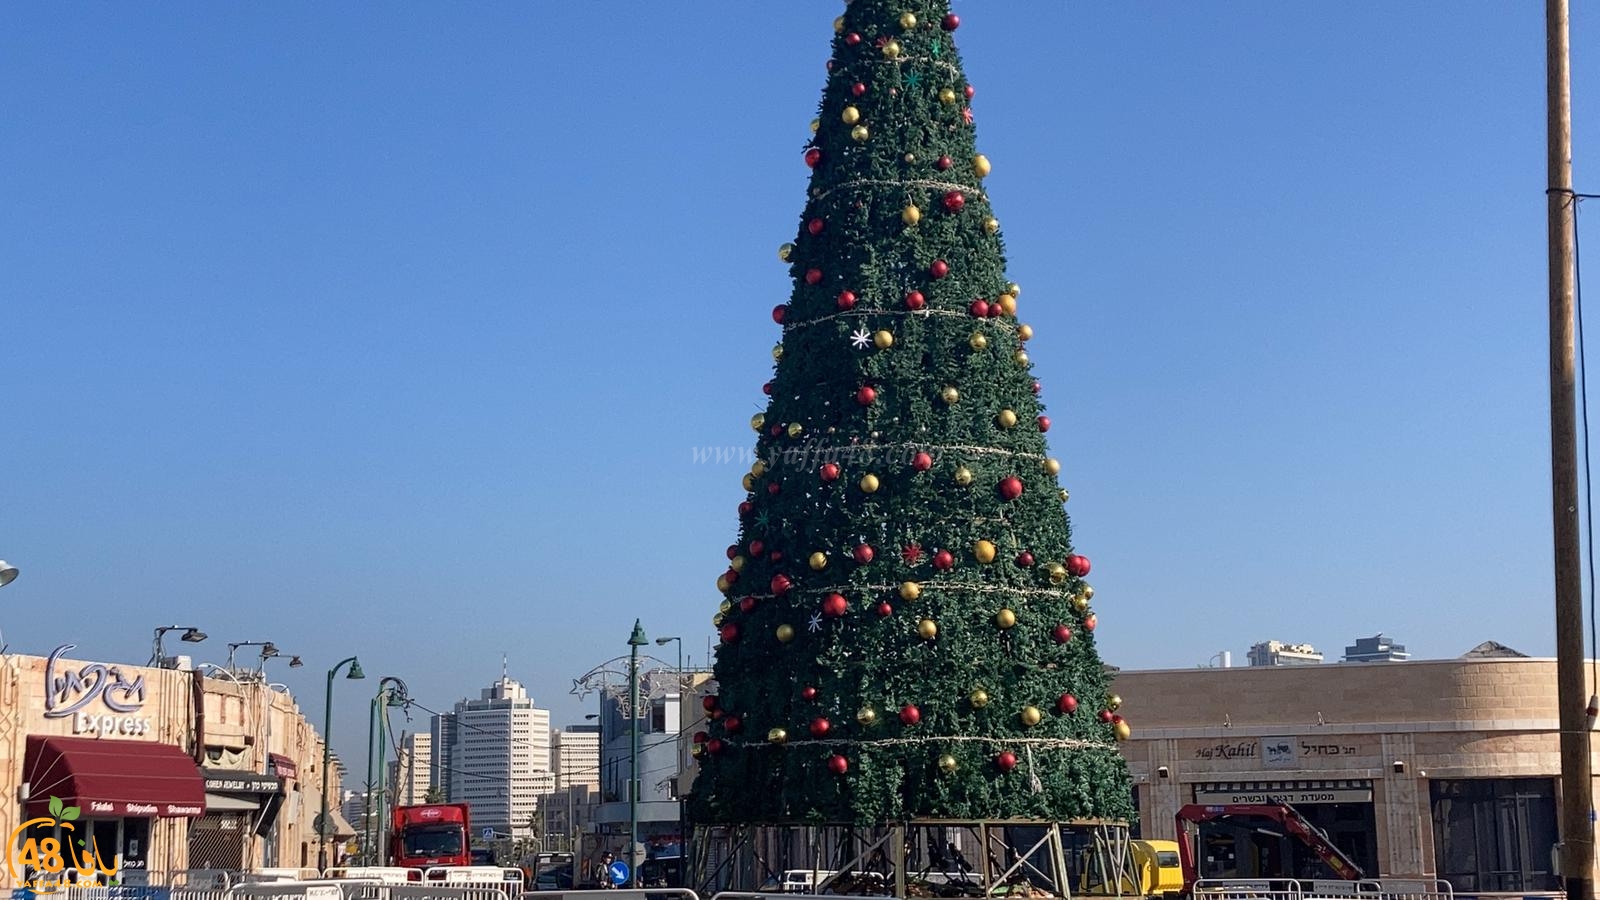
{"points": [[40, 860]]}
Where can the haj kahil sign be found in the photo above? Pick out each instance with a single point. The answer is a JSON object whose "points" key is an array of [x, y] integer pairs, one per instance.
{"points": [[100, 700]]}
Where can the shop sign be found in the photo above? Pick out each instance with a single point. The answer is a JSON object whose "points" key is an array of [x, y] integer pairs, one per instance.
{"points": [[223, 781], [1279, 753], [100, 700], [1229, 750], [1294, 796]]}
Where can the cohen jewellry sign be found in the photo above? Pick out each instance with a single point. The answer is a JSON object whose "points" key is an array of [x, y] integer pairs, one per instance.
{"points": [[100, 700]]}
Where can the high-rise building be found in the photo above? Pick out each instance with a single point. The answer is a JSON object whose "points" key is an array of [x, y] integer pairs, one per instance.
{"points": [[1377, 648], [412, 770], [498, 757], [1277, 653], [575, 756], [442, 739]]}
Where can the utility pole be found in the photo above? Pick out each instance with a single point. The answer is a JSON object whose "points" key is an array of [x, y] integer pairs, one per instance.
{"points": [[1577, 829], [635, 641]]}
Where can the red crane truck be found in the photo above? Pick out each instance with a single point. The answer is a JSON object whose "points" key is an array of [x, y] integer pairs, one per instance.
{"points": [[430, 835], [1282, 814]]}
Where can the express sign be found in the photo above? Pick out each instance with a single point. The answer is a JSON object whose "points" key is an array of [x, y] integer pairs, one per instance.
{"points": [[100, 699]]}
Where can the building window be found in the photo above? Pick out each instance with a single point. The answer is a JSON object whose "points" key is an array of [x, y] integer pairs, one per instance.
{"points": [[658, 718], [1494, 834]]}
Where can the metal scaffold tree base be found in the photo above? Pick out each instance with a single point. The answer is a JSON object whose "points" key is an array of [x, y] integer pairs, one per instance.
{"points": [[917, 858]]}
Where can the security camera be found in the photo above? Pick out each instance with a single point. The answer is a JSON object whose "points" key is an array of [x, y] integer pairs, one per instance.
{"points": [[1399, 767]]}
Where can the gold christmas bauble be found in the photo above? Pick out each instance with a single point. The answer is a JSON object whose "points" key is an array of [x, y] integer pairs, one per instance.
{"points": [[883, 340], [891, 50], [818, 561], [777, 736], [859, 133], [838, 25], [947, 96], [722, 584], [869, 483], [697, 751], [963, 476], [785, 633], [725, 607], [784, 251], [950, 396], [983, 551], [851, 115], [716, 621], [1006, 419], [991, 225], [1014, 289], [737, 563], [1080, 602], [749, 482], [1065, 495], [1029, 716], [815, 124], [977, 341], [758, 468], [947, 764], [1087, 590], [1021, 356], [910, 590], [1005, 618], [1113, 702], [908, 20], [911, 215], [1052, 466], [980, 165], [777, 351], [1058, 573], [796, 429], [758, 421], [979, 698], [1008, 304], [866, 715], [1024, 332], [1122, 731], [927, 629]]}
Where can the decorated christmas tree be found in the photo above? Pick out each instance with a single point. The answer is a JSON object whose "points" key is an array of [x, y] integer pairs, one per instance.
{"points": [[906, 632]]}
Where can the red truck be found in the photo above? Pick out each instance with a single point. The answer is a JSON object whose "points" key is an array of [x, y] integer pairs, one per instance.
{"points": [[435, 834]]}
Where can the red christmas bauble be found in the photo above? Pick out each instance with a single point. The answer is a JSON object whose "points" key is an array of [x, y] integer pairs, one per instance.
{"points": [[731, 576], [708, 702], [838, 765], [813, 156], [943, 163], [775, 556], [781, 584], [819, 726], [910, 715], [1006, 760], [1116, 719], [996, 311], [863, 553], [733, 550], [858, 89], [773, 488], [1067, 704], [915, 300], [883, 609], [970, 91], [714, 746], [1105, 716], [1090, 621], [954, 201], [829, 472], [757, 547], [1037, 387], [939, 268], [776, 429], [1025, 559], [815, 226], [1044, 421], [979, 307], [746, 508], [943, 560], [834, 605], [808, 693], [778, 313], [813, 276], [732, 724], [730, 632], [866, 395], [852, 39], [700, 737], [1077, 566], [922, 462], [1010, 487], [846, 301], [1061, 634], [950, 22], [747, 604], [767, 389]]}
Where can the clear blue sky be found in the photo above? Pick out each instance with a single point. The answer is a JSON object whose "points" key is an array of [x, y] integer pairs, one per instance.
{"points": [[390, 329]]}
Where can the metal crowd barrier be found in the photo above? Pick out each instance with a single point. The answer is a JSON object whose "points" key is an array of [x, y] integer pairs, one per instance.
{"points": [[1317, 889]]}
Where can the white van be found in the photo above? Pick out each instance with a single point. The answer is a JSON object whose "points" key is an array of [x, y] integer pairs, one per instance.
{"points": [[803, 881]]}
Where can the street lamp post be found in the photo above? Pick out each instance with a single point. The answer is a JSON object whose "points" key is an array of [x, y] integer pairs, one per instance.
{"points": [[191, 635], [635, 641], [268, 651], [325, 827], [392, 692]]}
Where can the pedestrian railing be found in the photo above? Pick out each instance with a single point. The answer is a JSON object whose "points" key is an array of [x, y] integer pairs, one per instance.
{"points": [[1319, 889]]}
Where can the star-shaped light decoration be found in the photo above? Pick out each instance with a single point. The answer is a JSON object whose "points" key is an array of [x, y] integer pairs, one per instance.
{"points": [[912, 553], [936, 49], [913, 79], [762, 519], [861, 339], [966, 114], [815, 624]]}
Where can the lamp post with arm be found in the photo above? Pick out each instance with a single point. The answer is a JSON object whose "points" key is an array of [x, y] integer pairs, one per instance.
{"points": [[324, 826]]}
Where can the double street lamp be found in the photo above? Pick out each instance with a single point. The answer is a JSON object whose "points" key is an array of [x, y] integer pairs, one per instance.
{"points": [[191, 635], [324, 825], [392, 694]]}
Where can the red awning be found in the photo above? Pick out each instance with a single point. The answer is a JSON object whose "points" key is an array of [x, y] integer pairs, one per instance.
{"points": [[112, 778]]}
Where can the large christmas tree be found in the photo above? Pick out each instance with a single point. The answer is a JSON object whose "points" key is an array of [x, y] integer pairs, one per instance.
{"points": [[906, 632]]}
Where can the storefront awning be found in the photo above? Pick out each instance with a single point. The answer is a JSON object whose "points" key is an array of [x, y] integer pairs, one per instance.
{"points": [[224, 803], [112, 778]]}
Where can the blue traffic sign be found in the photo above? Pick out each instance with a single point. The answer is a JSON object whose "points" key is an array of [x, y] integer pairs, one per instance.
{"points": [[488, 834], [619, 873]]}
